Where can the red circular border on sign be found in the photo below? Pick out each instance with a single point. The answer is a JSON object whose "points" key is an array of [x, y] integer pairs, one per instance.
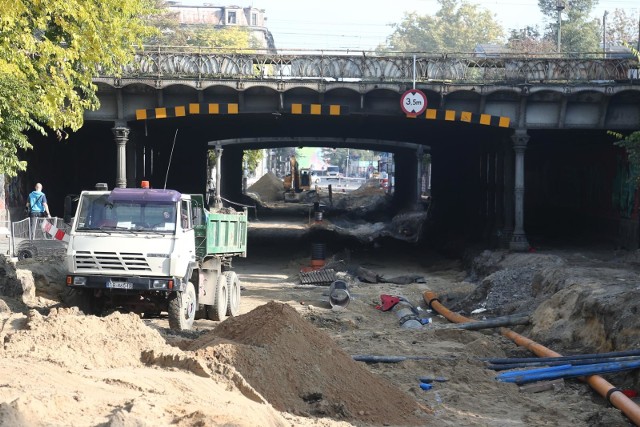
{"points": [[413, 91]]}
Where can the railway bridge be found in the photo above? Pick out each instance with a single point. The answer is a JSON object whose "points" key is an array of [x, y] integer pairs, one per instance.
{"points": [[493, 125]]}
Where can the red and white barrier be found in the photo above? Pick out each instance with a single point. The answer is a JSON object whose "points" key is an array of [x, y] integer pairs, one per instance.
{"points": [[54, 231]]}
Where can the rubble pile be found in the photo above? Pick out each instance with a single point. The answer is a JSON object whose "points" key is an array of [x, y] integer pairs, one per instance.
{"points": [[300, 369], [268, 188]]}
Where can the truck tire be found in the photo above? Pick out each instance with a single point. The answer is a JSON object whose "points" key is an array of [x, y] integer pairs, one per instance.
{"points": [[182, 309], [25, 254], [218, 311], [233, 291]]}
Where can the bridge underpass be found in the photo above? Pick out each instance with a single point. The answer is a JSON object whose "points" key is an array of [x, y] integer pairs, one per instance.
{"points": [[570, 174], [561, 155]]}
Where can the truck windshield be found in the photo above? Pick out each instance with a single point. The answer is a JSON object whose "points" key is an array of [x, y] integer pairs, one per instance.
{"points": [[97, 213]]}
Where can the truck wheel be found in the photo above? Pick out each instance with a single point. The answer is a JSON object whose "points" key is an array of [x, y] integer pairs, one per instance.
{"points": [[182, 309], [218, 311], [233, 290], [25, 254]]}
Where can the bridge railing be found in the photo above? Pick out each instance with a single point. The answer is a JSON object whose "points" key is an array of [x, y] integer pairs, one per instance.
{"points": [[171, 63]]}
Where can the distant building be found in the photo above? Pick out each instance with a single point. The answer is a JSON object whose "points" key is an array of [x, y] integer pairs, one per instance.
{"points": [[227, 16]]}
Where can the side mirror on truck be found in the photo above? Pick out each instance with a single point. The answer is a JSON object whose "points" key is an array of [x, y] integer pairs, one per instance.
{"points": [[70, 205]]}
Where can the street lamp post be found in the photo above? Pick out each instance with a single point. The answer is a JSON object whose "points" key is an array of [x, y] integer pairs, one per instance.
{"points": [[559, 8], [604, 33]]}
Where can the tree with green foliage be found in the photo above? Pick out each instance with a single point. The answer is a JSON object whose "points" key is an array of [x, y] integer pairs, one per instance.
{"points": [[50, 51], [170, 32], [252, 158], [228, 38], [631, 142], [622, 27], [457, 27], [578, 33], [529, 40]]}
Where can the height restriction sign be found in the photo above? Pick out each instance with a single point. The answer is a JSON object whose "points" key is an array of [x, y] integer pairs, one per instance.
{"points": [[413, 102]]}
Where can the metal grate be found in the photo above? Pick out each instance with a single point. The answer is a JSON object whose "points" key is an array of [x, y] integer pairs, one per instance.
{"points": [[123, 261], [318, 277]]}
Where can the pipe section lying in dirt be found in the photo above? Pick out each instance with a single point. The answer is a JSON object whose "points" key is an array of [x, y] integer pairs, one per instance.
{"points": [[565, 371], [516, 319], [574, 362], [563, 358], [599, 384], [368, 358]]}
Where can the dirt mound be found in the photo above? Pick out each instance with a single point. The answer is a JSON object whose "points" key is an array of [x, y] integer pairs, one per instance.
{"points": [[269, 187], [370, 187], [299, 369], [590, 310], [505, 281], [68, 338]]}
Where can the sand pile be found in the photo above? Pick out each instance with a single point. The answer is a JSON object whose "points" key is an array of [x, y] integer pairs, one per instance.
{"points": [[299, 369], [68, 338], [269, 188], [370, 187]]}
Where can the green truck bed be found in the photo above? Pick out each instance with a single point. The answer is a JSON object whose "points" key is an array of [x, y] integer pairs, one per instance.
{"points": [[220, 233]]}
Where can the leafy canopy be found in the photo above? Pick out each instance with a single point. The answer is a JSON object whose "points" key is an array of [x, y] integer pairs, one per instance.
{"points": [[457, 27], [170, 32], [631, 142], [578, 32], [50, 50]]}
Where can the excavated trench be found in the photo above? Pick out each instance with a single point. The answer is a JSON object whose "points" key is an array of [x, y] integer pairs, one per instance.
{"points": [[580, 299]]}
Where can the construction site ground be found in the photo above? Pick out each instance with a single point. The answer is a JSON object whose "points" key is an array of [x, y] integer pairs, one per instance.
{"points": [[286, 360]]}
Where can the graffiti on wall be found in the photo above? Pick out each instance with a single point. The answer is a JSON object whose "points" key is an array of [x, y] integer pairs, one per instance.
{"points": [[624, 188], [15, 190]]}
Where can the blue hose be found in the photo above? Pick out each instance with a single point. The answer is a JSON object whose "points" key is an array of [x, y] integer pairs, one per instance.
{"points": [[523, 377]]}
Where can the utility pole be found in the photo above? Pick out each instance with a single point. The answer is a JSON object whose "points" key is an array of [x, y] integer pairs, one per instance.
{"points": [[604, 33], [559, 8]]}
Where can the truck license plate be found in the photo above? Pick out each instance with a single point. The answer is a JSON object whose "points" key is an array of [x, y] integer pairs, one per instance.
{"points": [[119, 285]]}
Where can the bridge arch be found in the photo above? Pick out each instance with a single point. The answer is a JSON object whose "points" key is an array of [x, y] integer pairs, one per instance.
{"points": [[463, 100], [382, 101], [300, 95], [344, 96], [220, 93], [260, 99]]}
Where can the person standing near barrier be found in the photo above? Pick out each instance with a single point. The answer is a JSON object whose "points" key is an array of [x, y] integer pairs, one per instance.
{"points": [[37, 203], [37, 207]]}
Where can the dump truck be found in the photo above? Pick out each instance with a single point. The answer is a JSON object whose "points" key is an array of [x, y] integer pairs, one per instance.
{"points": [[155, 250]]}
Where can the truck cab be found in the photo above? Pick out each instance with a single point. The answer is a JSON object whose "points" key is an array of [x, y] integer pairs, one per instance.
{"points": [[145, 233]]}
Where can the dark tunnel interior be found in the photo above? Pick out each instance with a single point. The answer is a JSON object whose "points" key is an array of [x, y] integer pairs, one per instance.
{"points": [[577, 181]]}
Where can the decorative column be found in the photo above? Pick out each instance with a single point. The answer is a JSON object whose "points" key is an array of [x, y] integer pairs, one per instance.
{"points": [[508, 190], [419, 172], [218, 200], [121, 136], [519, 239], [498, 227]]}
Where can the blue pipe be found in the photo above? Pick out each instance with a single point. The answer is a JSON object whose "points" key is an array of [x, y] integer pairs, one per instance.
{"points": [[532, 371], [506, 366], [576, 371], [563, 358]]}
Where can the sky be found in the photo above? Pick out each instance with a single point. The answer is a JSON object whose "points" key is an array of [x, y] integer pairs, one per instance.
{"points": [[363, 25]]}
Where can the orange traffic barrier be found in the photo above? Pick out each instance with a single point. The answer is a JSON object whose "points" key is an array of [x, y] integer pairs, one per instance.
{"points": [[603, 387]]}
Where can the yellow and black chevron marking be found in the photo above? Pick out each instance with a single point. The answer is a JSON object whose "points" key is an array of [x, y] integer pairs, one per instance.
{"points": [[319, 109], [465, 116], [182, 111]]}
